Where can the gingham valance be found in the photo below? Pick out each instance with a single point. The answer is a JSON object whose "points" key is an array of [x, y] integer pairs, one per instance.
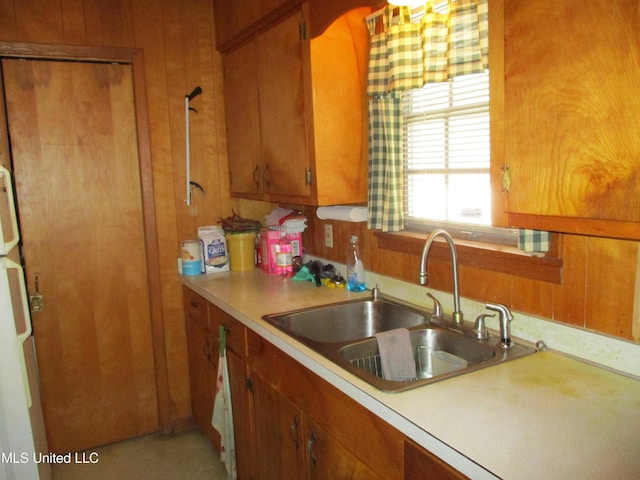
{"points": [[407, 54]]}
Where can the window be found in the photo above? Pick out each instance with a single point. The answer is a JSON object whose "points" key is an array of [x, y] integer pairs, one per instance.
{"points": [[446, 150], [447, 155]]}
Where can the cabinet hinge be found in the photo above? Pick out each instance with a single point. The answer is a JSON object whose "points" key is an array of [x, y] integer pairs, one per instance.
{"points": [[307, 176], [506, 179], [302, 30]]}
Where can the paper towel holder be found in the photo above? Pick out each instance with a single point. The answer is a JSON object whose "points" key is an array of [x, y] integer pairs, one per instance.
{"points": [[345, 213]]}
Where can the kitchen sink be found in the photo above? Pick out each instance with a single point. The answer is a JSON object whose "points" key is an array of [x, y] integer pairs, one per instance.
{"points": [[347, 321], [344, 333]]}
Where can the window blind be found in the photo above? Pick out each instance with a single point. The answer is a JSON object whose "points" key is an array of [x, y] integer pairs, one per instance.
{"points": [[446, 151]]}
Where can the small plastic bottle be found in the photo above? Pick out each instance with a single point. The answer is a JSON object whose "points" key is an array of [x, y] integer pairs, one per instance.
{"points": [[284, 256], [355, 267]]}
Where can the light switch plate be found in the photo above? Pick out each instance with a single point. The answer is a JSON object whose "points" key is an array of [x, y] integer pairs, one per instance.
{"points": [[328, 236]]}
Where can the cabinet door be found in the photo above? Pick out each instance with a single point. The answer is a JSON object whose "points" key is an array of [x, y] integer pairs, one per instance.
{"points": [[196, 307], [241, 414], [281, 92], [278, 434], [327, 459], [241, 112], [203, 367], [572, 115]]}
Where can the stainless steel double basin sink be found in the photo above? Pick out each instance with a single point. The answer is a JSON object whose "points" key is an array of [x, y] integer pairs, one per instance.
{"points": [[344, 333]]}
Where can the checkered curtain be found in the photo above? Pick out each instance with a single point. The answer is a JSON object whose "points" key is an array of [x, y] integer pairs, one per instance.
{"points": [[534, 242], [385, 163], [406, 55]]}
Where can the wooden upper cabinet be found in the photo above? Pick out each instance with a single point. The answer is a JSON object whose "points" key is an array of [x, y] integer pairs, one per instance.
{"points": [[242, 111], [296, 112], [237, 20], [283, 101], [572, 116], [338, 117], [235, 17]]}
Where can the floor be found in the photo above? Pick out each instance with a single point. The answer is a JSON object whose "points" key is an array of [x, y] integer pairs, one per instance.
{"points": [[186, 455]]}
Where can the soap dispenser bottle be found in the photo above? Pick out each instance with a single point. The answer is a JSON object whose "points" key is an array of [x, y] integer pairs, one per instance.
{"points": [[284, 256], [355, 267]]}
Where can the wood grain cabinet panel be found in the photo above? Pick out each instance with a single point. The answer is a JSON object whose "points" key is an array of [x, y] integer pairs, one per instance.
{"points": [[235, 18], [572, 115], [196, 308], [203, 353], [279, 437], [202, 322], [327, 458], [242, 417], [420, 464], [296, 112], [242, 120], [325, 432]]}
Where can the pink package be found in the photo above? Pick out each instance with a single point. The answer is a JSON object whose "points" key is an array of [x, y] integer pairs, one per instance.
{"points": [[268, 240]]}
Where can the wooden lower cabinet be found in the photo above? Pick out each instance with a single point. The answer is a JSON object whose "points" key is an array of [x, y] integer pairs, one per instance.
{"points": [[203, 362], [290, 423], [290, 445], [278, 434], [203, 321], [307, 429], [241, 413], [327, 458], [420, 464]]}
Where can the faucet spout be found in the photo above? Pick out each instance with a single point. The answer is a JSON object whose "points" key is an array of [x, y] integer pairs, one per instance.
{"points": [[424, 276], [505, 316]]}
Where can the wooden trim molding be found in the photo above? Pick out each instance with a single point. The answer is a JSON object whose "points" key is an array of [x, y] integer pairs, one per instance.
{"points": [[484, 256], [577, 226]]}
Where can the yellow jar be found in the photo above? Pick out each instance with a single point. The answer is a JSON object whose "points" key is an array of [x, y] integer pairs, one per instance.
{"points": [[242, 247]]}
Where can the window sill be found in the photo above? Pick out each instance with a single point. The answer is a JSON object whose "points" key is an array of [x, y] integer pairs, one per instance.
{"points": [[484, 256]]}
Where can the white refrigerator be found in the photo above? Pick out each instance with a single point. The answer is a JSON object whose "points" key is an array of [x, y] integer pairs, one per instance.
{"points": [[22, 435]]}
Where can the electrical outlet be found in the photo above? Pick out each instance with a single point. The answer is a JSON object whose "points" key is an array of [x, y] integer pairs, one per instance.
{"points": [[328, 236]]}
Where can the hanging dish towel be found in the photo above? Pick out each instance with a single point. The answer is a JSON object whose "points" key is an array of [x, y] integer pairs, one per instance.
{"points": [[222, 417], [396, 354]]}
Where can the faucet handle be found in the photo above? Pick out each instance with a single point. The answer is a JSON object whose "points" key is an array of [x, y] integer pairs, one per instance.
{"points": [[436, 313], [375, 293], [480, 327]]}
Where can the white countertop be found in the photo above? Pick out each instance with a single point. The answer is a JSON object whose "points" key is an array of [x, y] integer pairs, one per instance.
{"points": [[543, 416]]}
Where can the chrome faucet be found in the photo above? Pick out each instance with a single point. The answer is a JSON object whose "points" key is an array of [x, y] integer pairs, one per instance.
{"points": [[424, 276], [505, 317]]}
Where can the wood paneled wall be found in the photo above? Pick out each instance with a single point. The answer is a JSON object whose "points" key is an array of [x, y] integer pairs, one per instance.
{"points": [[178, 42]]}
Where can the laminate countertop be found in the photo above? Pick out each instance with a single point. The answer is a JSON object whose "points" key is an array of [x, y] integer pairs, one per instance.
{"points": [[543, 416]]}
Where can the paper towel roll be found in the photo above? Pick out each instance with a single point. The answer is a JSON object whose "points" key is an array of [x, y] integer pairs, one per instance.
{"points": [[343, 213]]}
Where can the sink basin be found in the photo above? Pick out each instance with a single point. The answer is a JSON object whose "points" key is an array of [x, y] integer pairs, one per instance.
{"points": [[436, 351], [343, 333], [347, 321]]}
